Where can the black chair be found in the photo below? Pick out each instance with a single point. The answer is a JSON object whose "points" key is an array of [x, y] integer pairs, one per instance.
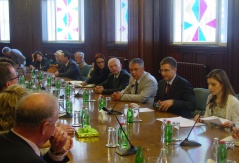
{"points": [[201, 95]]}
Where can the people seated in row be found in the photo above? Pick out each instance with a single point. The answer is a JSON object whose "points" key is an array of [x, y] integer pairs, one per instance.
{"points": [[15, 55], [8, 75], [116, 81], [39, 62], [225, 103], [142, 85], [35, 122], [175, 94], [101, 70], [80, 59], [69, 68]]}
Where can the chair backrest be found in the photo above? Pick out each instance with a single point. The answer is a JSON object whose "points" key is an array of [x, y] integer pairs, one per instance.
{"points": [[84, 71], [201, 95]]}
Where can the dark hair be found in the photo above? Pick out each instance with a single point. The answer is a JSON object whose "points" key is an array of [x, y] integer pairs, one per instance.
{"points": [[169, 60], [137, 61], [99, 55], [221, 76], [5, 74], [35, 54], [66, 54]]}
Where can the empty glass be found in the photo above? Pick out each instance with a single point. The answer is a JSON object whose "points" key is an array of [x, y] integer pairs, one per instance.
{"points": [[153, 160], [76, 118], [112, 138], [136, 115], [176, 133], [108, 102]]}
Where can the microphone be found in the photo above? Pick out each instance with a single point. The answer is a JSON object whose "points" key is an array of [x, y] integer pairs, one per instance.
{"points": [[115, 112], [187, 142], [123, 152]]}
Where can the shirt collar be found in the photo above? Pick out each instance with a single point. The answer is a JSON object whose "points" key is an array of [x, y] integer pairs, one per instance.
{"points": [[34, 147], [67, 62], [171, 81]]}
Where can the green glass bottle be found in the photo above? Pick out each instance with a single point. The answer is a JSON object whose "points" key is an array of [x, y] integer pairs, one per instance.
{"points": [[67, 90], [101, 102], [168, 132], [68, 106], [40, 76], [130, 115], [139, 157], [122, 140], [58, 84], [222, 152], [85, 96], [49, 80], [22, 80]]}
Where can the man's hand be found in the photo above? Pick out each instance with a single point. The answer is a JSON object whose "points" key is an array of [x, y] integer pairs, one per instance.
{"points": [[56, 73], [67, 128], [235, 132], [58, 140], [116, 96], [227, 124], [164, 105], [99, 89]]}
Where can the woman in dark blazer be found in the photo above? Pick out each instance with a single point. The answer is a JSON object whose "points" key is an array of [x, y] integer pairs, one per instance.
{"points": [[101, 70], [39, 62]]}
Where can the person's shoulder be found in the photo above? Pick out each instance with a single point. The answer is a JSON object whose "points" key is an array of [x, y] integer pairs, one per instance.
{"points": [[147, 75], [180, 79], [124, 72], [233, 98]]}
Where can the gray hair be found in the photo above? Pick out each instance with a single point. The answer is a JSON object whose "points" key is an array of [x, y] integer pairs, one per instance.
{"points": [[5, 50], [116, 60], [137, 61], [58, 52], [80, 53], [31, 113]]}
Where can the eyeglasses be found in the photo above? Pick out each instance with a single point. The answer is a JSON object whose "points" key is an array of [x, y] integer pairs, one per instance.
{"points": [[100, 62], [17, 77]]}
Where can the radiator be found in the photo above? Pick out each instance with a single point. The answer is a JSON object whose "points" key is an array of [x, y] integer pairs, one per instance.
{"points": [[195, 73]]}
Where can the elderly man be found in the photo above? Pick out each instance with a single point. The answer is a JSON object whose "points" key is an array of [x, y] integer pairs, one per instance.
{"points": [[116, 81], [142, 85], [80, 59], [175, 94], [8, 75], [35, 122], [58, 62], [69, 68], [14, 55]]}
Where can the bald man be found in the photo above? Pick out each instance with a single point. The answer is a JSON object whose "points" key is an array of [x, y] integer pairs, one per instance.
{"points": [[8, 75], [35, 122], [116, 81]]}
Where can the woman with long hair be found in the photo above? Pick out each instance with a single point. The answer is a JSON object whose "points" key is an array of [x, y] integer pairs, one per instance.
{"points": [[39, 62]]}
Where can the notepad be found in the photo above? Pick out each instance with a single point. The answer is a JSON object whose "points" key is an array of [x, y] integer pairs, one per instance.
{"points": [[215, 120]]}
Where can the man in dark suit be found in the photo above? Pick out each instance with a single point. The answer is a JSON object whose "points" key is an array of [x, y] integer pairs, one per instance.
{"points": [[175, 94], [69, 68], [35, 122], [117, 80]]}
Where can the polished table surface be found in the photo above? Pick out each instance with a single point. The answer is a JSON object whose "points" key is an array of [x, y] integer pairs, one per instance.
{"points": [[146, 134]]}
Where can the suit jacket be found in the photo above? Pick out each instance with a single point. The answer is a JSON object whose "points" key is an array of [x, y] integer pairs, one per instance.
{"points": [[112, 85], [181, 92], [98, 76], [14, 149], [146, 89], [71, 71]]}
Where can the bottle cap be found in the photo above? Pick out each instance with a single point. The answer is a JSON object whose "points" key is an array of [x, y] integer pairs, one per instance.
{"points": [[222, 142], [168, 121]]}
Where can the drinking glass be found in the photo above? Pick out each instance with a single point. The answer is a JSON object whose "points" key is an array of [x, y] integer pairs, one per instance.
{"points": [[153, 160], [176, 133], [112, 138]]}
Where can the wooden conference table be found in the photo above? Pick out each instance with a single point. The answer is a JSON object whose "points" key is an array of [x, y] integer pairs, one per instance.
{"points": [[146, 134]]}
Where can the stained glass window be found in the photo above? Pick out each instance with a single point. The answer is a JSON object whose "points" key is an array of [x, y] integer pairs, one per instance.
{"points": [[63, 20], [121, 20], [4, 21], [200, 21]]}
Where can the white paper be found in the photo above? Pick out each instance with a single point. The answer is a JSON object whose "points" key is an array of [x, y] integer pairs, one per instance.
{"points": [[214, 119], [184, 122], [145, 110], [78, 83]]}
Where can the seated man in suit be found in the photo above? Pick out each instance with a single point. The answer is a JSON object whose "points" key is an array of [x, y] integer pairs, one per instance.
{"points": [[69, 69], [116, 81], [35, 122], [142, 85], [8, 75], [80, 59], [175, 94]]}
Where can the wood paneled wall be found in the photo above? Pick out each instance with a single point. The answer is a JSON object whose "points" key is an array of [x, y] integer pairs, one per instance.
{"points": [[149, 35]]}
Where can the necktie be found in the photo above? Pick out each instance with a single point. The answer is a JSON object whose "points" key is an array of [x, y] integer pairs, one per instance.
{"points": [[167, 89], [136, 87]]}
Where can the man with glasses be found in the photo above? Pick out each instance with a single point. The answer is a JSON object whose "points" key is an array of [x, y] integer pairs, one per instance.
{"points": [[116, 81], [174, 94], [8, 75], [69, 68], [35, 124], [142, 85]]}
